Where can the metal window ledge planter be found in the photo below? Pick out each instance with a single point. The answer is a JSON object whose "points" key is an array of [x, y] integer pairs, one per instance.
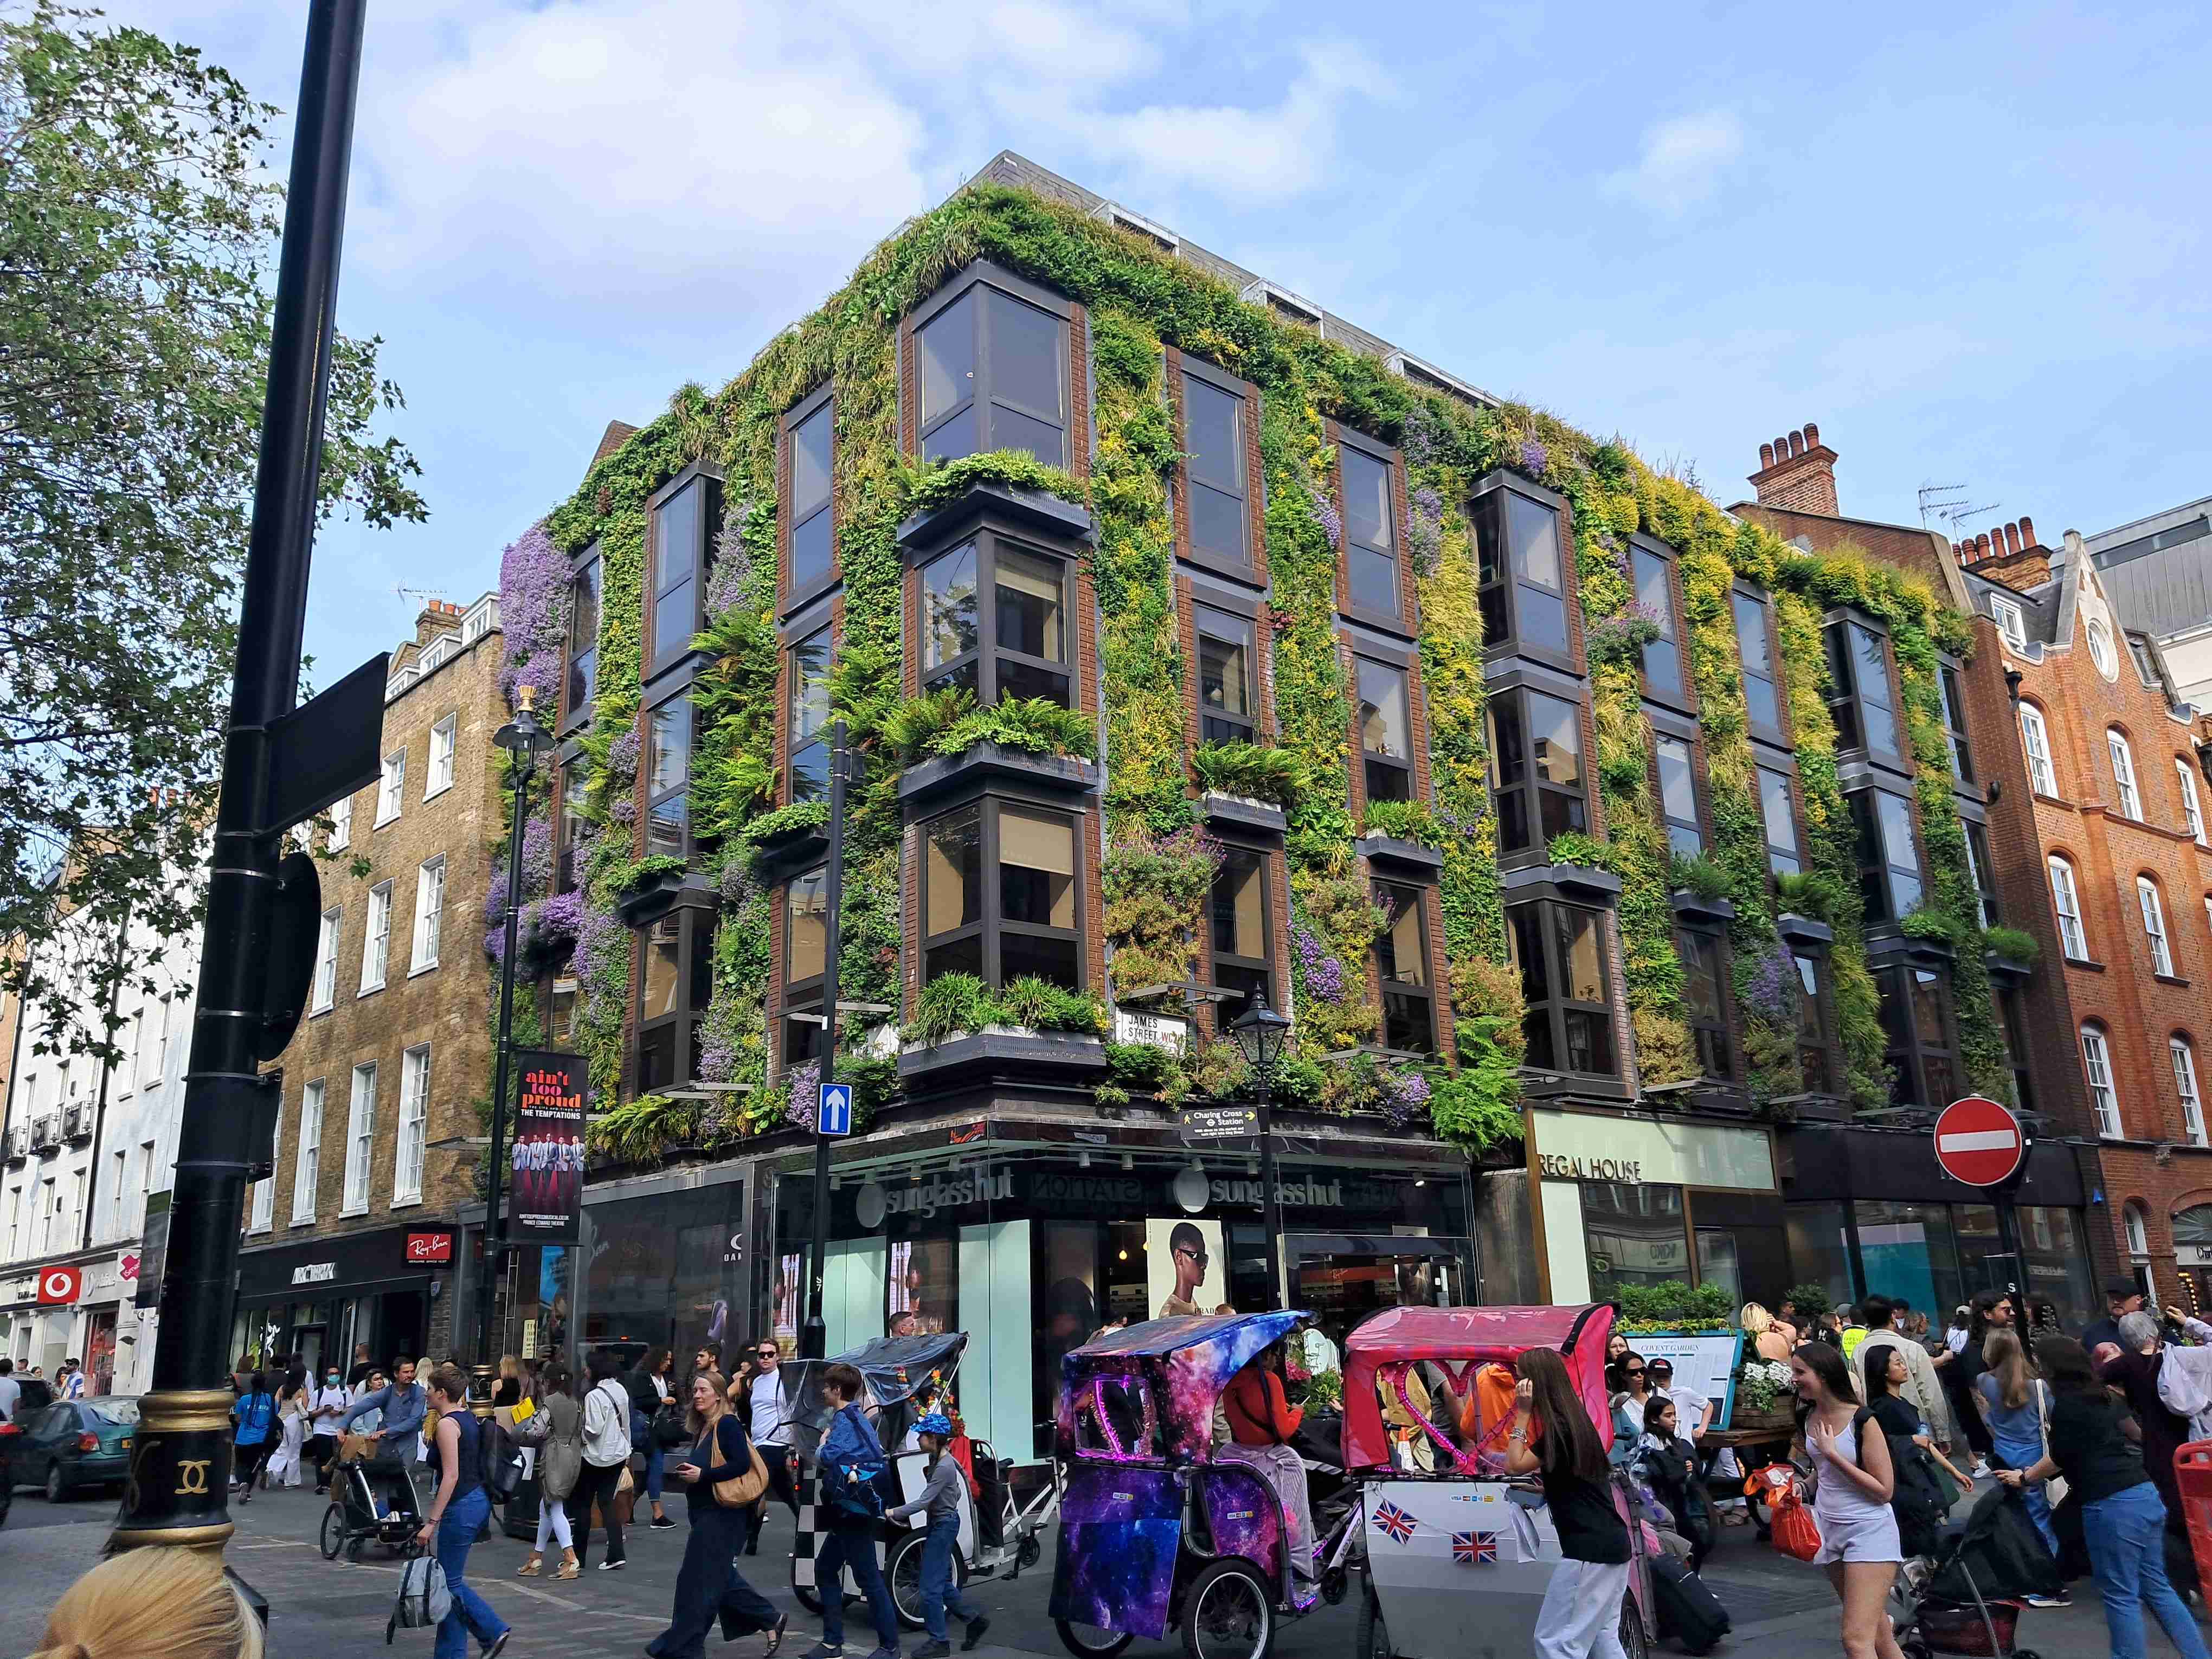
{"points": [[1804, 930], [1008, 1047], [1388, 849], [1697, 908], [654, 898], [990, 761], [1244, 812], [1577, 883], [2008, 969], [1809, 1109], [793, 848], [1016, 509]]}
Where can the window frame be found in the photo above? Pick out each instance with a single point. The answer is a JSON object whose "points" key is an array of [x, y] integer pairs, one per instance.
{"points": [[265, 1190], [323, 995], [1951, 700], [1852, 624], [1672, 826], [1402, 619], [989, 542], [1535, 788], [375, 943], [1252, 567], [307, 1155], [1423, 993], [1555, 1008], [1507, 582], [446, 731], [1365, 653], [983, 274], [2192, 809], [567, 827], [2035, 747], [1710, 1035], [576, 699], [801, 996], [2098, 634], [680, 791], [1899, 979], [414, 1123], [392, 788], [1794, 854], [2120, 753], [1674, 636], [1888, 869], [2066, 908], [2152, 906], [341, 825], [2011, 620], [799, 634], [1239, 728], [695, 936], [1760, 601], [2182, 1053], [360, 1139], [2104, 1098], [661, 656], [1820, 999], [819, 404], [1265, 964], [989, 928], [425, 946], [1982, 870]]}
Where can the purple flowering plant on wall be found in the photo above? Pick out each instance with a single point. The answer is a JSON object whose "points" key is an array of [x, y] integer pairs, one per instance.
{"points": [[1322, 974], [1405, 1096], [1426, 533], [1325, 513], [1534, 457], [533, 580], [1773, 988]]}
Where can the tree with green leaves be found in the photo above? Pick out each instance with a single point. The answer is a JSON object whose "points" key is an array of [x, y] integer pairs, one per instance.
{"points": [[138, 238]]}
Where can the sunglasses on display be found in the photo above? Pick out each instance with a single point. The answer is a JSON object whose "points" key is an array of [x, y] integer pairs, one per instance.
{"points": [[1198, 1256]]}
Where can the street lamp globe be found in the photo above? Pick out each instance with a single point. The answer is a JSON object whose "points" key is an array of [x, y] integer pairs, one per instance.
{"points": [[1261, 1033], [523, 737]]}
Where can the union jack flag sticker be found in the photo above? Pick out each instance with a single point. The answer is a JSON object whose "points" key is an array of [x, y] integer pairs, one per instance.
{"points": [[1469, 1547], [1395, 1521]]}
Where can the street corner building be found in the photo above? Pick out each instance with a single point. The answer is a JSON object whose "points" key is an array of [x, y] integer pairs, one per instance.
{"points": [[1632, 869], [349, 1236]]}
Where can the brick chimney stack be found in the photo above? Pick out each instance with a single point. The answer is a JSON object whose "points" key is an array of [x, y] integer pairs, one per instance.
{"points": [[1797, 473], [2009, 554], [437, 617]]}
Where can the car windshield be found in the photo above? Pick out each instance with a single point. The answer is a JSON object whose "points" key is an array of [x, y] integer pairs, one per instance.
{"points": [[123, 1412]]}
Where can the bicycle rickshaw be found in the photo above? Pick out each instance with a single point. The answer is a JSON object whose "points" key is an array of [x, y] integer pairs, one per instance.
{"points": [[1458, 1556], [906, 1376], [1157, 1530]]}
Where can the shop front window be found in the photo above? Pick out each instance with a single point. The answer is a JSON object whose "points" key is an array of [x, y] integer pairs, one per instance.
{"points": [[1559, 952], [1635, 1235], [2056, 1263], [1537, 780], [1909, 1252], [999, 897], [1819, 1249]]}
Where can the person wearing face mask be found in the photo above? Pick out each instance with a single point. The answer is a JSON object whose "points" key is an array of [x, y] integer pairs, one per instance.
{"points": [[329, 1403]]}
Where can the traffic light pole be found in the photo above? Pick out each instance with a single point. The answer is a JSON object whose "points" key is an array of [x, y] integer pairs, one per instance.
{"points": [[814, 1340], [179, 1480]]}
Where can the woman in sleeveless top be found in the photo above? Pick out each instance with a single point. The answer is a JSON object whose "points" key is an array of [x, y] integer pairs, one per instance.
{"points": [[708, 1584], [456, 1514], [1852, 1487]]}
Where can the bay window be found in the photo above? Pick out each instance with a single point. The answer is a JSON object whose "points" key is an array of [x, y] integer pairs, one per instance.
{"points": [[807, 731], [1888, 857], [1215, 487], [1705, 999], [1370, 541], [1858, 695], [1000, 895], [1558, 950], [1239, 915], [1227, 702], [1402, 967], [805, 963], [685, 516], [1815, 1034], [1919, 1041], [1663, 674], [676, 981], [811, 550], [1520, 573], [994, 375], [1537, 784], [1754, 644], [583, 644], [668, 779], [1017, 646], [1386, 750]]}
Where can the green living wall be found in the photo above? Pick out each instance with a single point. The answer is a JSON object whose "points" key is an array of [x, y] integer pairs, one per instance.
{"points": [[1159, 860]]}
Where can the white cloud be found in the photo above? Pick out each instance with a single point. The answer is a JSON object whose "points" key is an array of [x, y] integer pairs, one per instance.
{"points": [[1683, 162]]}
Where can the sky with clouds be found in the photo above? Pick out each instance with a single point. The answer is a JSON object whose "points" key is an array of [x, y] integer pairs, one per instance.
{"points": [[1972, 247]]}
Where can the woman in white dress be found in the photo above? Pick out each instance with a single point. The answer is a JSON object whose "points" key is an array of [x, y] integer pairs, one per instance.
{"points": [[293, 1406]]}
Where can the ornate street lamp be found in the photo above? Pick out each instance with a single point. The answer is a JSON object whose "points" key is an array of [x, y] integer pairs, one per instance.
{"points": [[1263, 1035]]}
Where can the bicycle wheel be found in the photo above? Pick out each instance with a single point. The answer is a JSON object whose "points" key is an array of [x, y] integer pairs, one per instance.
{"points": [[334, 1530]]}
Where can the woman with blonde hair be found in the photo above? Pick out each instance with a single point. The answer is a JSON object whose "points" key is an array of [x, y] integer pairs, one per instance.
{"points": [[1771, 1341], [152, 1604]]}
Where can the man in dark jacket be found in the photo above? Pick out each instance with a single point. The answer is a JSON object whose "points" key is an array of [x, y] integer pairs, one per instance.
{"points": [[2123, 1296]]}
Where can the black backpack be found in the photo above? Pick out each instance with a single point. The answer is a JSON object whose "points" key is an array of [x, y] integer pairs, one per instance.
{"points": [[1917, 1495]]}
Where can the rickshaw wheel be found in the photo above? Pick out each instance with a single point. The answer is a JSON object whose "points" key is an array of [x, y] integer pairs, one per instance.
{"points": [[1632, 1629], [903, 1576], [809, 1597], [1089, 1642], [1371, 1640], [333, 1536], [1228, 1614]]}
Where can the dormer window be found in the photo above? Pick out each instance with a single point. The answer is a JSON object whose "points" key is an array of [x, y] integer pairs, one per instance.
{"points": [[994, 373], [2011, 621], [1521, 575]]}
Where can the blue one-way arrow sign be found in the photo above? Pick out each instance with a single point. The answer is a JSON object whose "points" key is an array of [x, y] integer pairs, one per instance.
{"points": [[833, 1114]]}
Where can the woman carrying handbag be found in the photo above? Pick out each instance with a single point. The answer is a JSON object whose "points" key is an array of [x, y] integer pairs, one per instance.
{"points": [[725, 1478], [555, 1429]]}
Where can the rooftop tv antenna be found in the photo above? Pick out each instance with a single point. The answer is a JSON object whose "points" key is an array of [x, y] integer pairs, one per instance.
{"points": [[420, 595], [1950, 503]]}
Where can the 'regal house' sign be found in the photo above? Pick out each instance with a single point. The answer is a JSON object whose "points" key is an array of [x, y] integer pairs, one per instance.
{"points": [[1557, 1167]]}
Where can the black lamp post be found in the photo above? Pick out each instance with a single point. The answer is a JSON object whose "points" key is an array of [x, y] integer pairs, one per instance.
{"points": [[525, 740], [1262, 1035]]}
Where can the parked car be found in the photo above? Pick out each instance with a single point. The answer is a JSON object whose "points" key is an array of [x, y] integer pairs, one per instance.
{"points": [[73, 1444]]}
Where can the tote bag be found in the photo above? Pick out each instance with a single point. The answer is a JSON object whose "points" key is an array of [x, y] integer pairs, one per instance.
{"points": [[424, 1598], [2055, 1489]]}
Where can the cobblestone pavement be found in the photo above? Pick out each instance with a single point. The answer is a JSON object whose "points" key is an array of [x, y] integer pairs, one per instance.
{"points": [[336, 1610]]}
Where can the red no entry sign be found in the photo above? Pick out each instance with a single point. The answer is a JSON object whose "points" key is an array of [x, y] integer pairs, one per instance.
{"points": [[1978, 1141]]}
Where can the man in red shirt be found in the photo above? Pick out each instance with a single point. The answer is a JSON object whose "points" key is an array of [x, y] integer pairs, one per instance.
{"points": [[1261, 1421]]}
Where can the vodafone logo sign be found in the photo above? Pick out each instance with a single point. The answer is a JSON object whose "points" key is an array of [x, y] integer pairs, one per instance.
{"points": [[59, 1286]]}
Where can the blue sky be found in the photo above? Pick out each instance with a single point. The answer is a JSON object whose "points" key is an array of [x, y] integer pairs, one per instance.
{"points": [[1974, 252]]}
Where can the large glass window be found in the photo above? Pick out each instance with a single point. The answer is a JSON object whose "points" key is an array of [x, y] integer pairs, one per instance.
{"points": [[1909, 1251], [583, 636], [1815, 1040], [1214, 445], [1678, 795], [805, 956], [1983, 871], [2096, 1068], [1889, 857], [1636, 1235], [2123, 772], [1018, 647], [2035, 742], [808, 736], [1401, 964], [1754, 644], [1918, 1041], [1537, 781], [1370, 545], [2066, 900], [668, 779], [813, 549], [1385, 726], [1000, 895], [1559, 952], [1955, 726], [1821, 1249], [677, 982], [993, 376], [682, 537], [1242, 939], [1520, 573], [1776, 811], [1705, 1002], [1226, 702], [2154, 921], [1654, 591], [1859, 697]]}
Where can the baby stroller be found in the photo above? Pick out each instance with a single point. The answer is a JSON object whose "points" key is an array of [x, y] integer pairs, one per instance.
{"points": [[371, 1498], [1965, 1598]]}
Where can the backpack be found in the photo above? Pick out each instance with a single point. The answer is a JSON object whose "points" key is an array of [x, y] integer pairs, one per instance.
{"points": [[424, 1598], [850, 1486], [499, 1462], [253, 1416], [1916, 1494]]}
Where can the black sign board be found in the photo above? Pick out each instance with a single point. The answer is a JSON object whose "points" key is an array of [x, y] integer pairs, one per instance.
{"points": [[545, 1167], [153, 1250], [327, 747], [1218, 1122]]}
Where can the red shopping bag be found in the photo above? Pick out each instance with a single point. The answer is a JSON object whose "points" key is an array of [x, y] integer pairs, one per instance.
{"points": [[1795, 1532]]}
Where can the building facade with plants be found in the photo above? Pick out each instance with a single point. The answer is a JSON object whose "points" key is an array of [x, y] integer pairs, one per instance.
{"points": [[1192, 645]]}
